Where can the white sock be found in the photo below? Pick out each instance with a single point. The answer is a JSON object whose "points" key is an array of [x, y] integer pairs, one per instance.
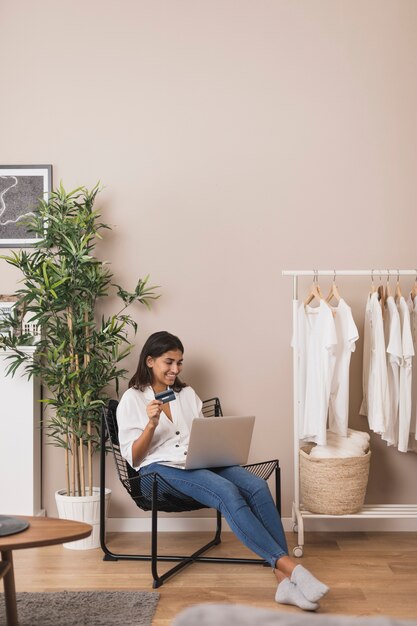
{"points": [[288, 593], [308, 584]]}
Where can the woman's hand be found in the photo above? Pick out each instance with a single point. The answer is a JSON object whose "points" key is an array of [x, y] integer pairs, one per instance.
{"points": [[153, 410], [141, 446]]}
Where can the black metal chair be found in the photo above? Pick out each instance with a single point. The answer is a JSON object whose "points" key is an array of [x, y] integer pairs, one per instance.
{"points": [[152, 493]]}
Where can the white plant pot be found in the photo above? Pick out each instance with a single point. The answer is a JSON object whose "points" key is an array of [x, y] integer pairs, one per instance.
{"points": [[82, 509]]}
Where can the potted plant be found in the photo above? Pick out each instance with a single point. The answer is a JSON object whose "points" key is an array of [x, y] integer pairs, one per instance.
{"points": [[78, 354]]}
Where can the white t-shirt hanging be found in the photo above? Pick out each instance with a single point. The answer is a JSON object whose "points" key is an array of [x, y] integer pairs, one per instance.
{"points": [[404, 417], [366, 361], [375, 389], [347, 335], [316, 338], [412, 441], [392, 330], [412, 306]]}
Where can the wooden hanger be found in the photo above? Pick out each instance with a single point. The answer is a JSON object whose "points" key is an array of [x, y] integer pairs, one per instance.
{"points": [[398, 293], [315, 291], [387, 287], [334, 292], [373, 288], [381, 296], [413, 292]]}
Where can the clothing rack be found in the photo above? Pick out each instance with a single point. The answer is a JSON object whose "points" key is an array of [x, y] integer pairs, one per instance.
{"points": [[381, 511]]}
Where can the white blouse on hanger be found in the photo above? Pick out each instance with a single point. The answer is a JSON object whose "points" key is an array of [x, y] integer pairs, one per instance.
{"points": [[375, 379], [347, 335], [392, 330], [404, 417], [412, 441], [316, 339]]}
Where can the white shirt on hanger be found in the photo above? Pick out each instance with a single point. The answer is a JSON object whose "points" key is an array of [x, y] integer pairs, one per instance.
{"points": [[375, 380], [412, 441], [404, 417], [366, 361], [347, 335], [316, 334], [392, 331]]}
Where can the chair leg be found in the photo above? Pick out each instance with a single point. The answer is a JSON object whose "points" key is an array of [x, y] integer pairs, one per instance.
{"points": [[108, 555], [217, 537], [157, 582], [278, 488]]}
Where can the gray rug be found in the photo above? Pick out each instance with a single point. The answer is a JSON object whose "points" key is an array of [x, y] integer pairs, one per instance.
{"points": [[84, 608]]}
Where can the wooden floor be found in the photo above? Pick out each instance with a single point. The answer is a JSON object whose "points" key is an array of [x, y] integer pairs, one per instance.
{"points": [[369, 573]]}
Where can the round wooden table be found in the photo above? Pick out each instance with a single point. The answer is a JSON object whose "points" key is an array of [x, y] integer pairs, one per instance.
{"points": [[43, 531]]}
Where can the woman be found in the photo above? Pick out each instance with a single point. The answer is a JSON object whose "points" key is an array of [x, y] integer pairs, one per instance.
{"points": [[154, 438]]}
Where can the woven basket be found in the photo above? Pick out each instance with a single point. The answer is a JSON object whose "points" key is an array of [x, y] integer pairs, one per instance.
{"points": [[333, 486]]}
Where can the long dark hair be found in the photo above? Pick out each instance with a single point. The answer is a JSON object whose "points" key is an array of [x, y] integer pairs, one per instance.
{"points": [[156, 345]]}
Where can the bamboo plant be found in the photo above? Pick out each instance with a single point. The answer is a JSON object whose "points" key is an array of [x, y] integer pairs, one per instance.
{"points": [[78, 355]]}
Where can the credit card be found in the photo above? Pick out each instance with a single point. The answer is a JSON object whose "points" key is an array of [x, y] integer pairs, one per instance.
{"points": [[165, 396]]}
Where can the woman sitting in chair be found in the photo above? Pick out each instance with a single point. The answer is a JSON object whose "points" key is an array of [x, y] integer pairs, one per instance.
{"points": [[154, 438]]}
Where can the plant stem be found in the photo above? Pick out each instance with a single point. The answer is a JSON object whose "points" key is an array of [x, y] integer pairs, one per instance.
{"points": [[77, 465], [81, 466], [67, 469], [73, 438], [80, 451], [73, 448], [89, 446]]}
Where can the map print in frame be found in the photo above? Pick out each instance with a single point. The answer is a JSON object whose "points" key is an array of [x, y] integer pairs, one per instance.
{"points": [[21, 188]]}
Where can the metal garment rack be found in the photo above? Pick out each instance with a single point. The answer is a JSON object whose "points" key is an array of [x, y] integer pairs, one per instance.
{"points": [[299, 514]]}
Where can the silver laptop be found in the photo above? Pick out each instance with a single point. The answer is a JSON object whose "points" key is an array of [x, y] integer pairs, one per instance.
{"points": [[219, 441]]}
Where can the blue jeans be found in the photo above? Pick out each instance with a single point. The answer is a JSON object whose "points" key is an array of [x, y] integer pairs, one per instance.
{"points": [[243, 499]]}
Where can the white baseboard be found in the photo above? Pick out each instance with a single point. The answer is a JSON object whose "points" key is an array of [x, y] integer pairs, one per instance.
{"points": [[195, 524]]}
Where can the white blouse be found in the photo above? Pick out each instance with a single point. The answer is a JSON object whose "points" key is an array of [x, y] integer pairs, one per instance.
{"points": [[347, 335], [404, 417], [392, 330], [375, 401], [170, 441], [316, 356]]}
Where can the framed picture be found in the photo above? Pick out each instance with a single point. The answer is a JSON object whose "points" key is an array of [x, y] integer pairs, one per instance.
{"points": [[21, 189]]}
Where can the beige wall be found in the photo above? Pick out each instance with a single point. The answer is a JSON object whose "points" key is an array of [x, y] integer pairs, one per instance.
{"points": [[234, 139]]}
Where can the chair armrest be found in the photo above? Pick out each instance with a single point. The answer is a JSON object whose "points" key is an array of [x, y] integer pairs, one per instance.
{"points": [[263, 469]]}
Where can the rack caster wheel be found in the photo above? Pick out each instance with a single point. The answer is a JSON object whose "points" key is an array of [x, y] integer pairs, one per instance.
{"points": [[295, 528], [298, 552]]}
